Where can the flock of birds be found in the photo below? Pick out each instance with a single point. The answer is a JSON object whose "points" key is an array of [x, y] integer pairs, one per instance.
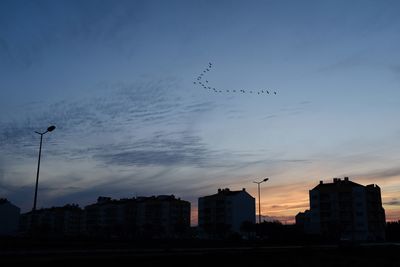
{"points": [[203, 83]]}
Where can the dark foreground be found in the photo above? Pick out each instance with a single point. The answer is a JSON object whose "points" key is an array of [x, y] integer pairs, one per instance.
{"points": [[204, 254]]}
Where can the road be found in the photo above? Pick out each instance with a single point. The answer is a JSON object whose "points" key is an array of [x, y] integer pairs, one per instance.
{"points": [[329, 255]]}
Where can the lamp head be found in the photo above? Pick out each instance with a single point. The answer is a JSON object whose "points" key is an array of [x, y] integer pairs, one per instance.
{"points": [[266, 179], [51, 128]]}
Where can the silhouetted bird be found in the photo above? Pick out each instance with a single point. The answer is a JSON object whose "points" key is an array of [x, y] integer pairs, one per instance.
{"points": [[216, 90]]}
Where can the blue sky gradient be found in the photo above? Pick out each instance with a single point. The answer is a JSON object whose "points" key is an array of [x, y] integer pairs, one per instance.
{"points": [[116, 78]]}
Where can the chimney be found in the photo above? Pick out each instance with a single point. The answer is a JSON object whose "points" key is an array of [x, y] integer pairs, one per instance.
{"points": [[243, 189], [346, 179], [321, 182]]}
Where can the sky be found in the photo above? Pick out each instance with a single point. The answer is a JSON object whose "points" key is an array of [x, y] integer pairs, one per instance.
{"points": [[116, 79]]}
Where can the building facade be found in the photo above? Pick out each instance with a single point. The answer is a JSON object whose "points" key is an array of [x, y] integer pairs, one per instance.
{"points": [[109, 217], [53, 222], [148, 217], [225, 212], [163, 216], [9, 218], [345, 210]]}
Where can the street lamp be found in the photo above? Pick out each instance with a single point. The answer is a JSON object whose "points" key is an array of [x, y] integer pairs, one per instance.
{"points": [[259, 199], [49, 129]]}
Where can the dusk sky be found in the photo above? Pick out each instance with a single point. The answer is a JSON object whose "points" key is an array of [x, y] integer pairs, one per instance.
{"points": [[116, 79]]}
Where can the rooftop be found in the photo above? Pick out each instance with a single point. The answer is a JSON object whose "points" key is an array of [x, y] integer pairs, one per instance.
{"points": [[227, 192], [3, 201], [338, 183]]}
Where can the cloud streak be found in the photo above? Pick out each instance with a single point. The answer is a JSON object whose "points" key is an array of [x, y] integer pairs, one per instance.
{"points": [[118, 110], [187, 150], [393, 202], [149, 108], [378, 174]]}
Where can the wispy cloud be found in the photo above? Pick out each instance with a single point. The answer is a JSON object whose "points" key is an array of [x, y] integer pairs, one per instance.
{"points": [[187, 150], [147, 108], [343, 64], [291, 110], [289, 206], [378, 174], [282, 219], [119, 109], [393, 202]]}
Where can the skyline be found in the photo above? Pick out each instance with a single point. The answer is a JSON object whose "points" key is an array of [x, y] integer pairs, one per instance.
{"points": [[116, 78]]}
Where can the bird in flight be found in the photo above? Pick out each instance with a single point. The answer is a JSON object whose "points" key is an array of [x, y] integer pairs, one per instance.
{"points": [[221, 90]]}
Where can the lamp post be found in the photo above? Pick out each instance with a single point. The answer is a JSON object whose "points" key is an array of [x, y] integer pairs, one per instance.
{"points": [[49, 129], [259, 199]]}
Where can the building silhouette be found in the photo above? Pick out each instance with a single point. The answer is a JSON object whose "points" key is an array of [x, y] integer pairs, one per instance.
{"points": [[163, 215], [63, 221], [144, 217], [110, 217], [344, 210], [9, 218], [224, 213]]}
